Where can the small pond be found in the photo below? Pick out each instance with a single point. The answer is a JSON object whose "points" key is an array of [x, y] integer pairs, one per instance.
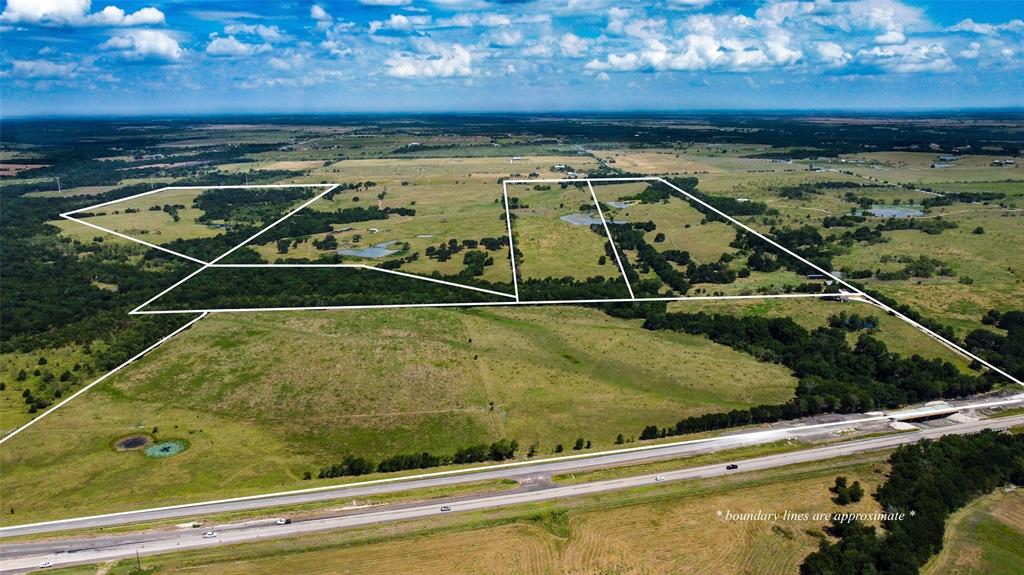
{"points": [[130, 442], [375, 251], [168, 448], [581, 219], [892, 212]]}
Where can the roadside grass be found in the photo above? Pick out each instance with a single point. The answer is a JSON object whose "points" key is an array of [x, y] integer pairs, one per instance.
{"points": [[672, 527], [263, 398], [986, 537], [784, 446]]}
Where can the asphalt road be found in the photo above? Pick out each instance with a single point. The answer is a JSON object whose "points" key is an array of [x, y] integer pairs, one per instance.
{"points": [[23, 557], [516, 471]]}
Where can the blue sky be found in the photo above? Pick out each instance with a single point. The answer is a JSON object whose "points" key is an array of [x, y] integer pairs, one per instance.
{"points": [[68, 57]]}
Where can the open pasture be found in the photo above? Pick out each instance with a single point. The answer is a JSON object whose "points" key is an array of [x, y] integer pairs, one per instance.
{"points": [[262, 398]]}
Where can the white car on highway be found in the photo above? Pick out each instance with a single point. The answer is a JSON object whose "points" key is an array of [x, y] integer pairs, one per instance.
{"points": [[209, 535]]}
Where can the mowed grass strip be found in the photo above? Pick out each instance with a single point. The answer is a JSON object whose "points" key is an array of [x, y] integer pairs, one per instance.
{"points": [[263, 398]]}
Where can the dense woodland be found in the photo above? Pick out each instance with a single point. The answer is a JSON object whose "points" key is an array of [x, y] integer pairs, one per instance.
{"points": [[927, 482]]}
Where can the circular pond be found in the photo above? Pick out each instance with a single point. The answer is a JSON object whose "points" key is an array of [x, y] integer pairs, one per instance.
{"points": [[168, 448], [131, 442]]}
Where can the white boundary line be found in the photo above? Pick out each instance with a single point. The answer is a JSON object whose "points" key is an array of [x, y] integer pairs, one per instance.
{"points": [[497, 466], [511, 245], [367, 267], [70, 215], [130, 238], [952, 346], [103, 377], [230, 251], [611, 240], [328, 188], [504, 303]]}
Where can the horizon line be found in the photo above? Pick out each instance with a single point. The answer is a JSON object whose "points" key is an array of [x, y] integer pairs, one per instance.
{"points": [[556, 113]]}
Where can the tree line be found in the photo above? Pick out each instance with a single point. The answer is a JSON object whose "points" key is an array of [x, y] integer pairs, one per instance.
{"points": [[927, 482]]}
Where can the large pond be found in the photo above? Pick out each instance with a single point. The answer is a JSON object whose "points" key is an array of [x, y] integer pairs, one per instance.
{"points": [[581, 219], [892, 212], [375, 251]]}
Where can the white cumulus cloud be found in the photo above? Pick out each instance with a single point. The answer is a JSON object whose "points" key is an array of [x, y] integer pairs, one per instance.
{"points": [[75, 13], [232, 47], [144, 44], [440, 62]]}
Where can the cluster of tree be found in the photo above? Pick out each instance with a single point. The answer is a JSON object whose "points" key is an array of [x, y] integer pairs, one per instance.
{"points": [[631, 237], [475, 261], [711, 273], [930, 226], [928, 481], [1004, 351], [949, 198], [919, 267], [351, 186], [310, 222], [843, 221], [328, 243], [800, 191], [251, 205], [171, 210], [445, 250], [597, 287], [853, 321], [290, 287], [845, 492], [513, 204], [500, 450], [833, 377]]}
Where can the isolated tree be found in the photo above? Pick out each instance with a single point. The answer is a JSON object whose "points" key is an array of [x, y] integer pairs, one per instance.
{"points": [[978, 230], [619, 440], [856, 492], [282, 246], [579, 444], [659, 237], [559, 448]]}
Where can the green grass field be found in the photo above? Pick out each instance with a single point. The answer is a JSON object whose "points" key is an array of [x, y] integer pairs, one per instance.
{"points": [[552, 247], [263, 398], [984, 538]]}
